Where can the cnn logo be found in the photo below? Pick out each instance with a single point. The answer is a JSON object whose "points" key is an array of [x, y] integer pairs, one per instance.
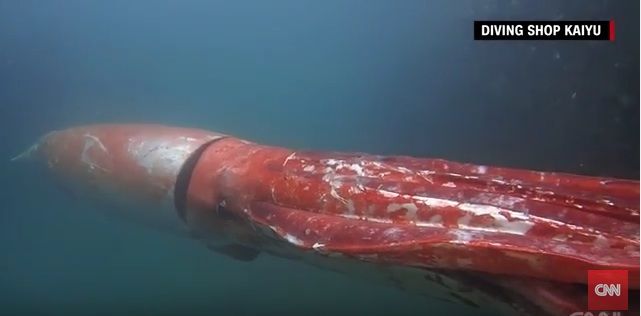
{"points": [[607, 290]]}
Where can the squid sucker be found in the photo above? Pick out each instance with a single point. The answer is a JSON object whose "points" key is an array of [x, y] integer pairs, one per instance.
{"points": [[518, 241]]}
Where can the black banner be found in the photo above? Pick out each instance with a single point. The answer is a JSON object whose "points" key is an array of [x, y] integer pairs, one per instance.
{"points": [[544, 30]]}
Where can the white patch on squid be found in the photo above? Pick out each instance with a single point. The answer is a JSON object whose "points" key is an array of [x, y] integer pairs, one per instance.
{"points": [[189, 139], [340, 164], [393, 207], [90, 141], [376, 164], [331, 162], [498, 181], [354, 190], [291, 156], [501, 200], [515, 227], [481, 169], [334, 194], [520, 226], [427, 172], [563, 249], [435, 202], [411, 209], [461, 236], [480, 209], [393, 233], [358, 169], [367, 219], [449, 184], [294, 240], [608, 202], [427, 175], [434, 221], [164, 154], [309, 168], [388, 194]]}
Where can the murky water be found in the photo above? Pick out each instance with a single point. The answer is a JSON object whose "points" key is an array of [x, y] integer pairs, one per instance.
{"points": [[384, 77]]}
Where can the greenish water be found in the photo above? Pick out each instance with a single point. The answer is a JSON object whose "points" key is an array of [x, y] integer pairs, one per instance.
{"points": [[386, 77]]}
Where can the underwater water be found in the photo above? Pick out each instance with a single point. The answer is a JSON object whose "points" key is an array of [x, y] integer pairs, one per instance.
{"points": [[384, 77]]}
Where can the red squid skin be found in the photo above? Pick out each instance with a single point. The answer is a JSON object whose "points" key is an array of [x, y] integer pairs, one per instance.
{"points": [[270, 186], [534, 233]]}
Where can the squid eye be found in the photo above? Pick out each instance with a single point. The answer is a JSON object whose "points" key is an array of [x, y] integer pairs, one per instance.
{"points": [[224, 213]]}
